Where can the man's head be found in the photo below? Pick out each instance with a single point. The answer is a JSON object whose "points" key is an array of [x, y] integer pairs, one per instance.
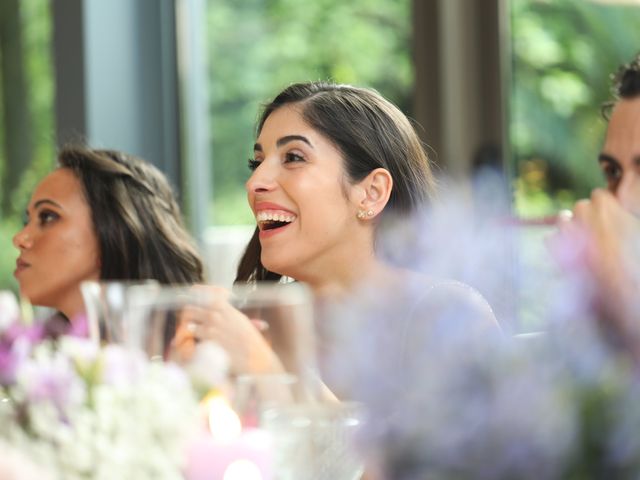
{"points": [[620, 156]]}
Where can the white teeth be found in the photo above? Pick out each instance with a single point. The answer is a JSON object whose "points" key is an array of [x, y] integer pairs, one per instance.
{"points": [[277, 217]]}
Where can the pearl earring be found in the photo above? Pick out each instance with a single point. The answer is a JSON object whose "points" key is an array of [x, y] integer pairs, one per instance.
{"points": [[361, 215]]}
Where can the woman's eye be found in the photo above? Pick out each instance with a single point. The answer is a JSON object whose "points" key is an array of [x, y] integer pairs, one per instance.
{"points": [[611, 172], [47, 216], [253, 164], [293, 157]]}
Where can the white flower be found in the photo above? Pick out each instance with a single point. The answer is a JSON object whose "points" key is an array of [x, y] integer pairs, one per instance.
{"points": [[79, 349], [209, 366], [14, 465], [121, 366], [9, 309], [81, 412]]}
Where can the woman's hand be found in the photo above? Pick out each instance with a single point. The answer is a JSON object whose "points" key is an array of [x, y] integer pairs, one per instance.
{"points": [[238, 335]]}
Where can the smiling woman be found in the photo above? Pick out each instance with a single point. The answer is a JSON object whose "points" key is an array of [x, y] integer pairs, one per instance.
{"points": [[334, 166], [331, 162], [101, 215]]}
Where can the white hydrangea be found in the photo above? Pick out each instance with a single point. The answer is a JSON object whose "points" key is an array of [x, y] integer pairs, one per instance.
{"points": [[9, 309], [88, 413]]}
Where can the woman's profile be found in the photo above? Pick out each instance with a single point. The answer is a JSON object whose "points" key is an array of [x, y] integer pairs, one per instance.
{"points": [[101, 215]]}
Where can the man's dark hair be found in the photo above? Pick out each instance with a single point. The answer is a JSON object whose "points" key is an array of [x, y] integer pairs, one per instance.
{"points": [[625, 84]]}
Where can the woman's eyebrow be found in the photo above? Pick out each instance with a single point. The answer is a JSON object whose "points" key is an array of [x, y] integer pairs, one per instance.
{"points": [[603, 157], [46, 201], [290, 138]]}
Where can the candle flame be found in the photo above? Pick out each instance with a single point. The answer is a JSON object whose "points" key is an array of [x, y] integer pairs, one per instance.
{"points": [[242, 470], [224, 423]]}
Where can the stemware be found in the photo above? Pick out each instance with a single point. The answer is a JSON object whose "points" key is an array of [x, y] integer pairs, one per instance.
{"points": [[284, 315], [311, 429], [112, 307], [145, 316], [315, 441]]}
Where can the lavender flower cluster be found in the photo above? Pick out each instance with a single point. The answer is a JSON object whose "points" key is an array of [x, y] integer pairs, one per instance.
{"points": [[446, 401], [80, 411]]}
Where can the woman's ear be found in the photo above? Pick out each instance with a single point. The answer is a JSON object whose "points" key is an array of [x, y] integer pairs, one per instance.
{"points": [[375, 191]]}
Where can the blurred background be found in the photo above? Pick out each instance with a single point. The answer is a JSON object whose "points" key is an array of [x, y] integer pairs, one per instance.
{"points": [[515, 85]]}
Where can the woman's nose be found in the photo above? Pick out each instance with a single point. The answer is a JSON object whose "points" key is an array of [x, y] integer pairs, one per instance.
{"points": [[263, 179], [628, 193], [23, 239]]}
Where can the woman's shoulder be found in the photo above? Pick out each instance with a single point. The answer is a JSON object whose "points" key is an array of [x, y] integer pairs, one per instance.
{"points": [[449, 301]]}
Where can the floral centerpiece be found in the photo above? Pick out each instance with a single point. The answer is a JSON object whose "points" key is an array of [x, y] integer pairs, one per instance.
{"points": [[77, 410], [448, 402]]}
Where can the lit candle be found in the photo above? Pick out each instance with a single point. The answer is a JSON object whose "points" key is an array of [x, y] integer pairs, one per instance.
{"points": [[226, 452]]}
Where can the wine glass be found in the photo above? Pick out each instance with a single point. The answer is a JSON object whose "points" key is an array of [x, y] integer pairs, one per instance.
{"points": [[145, 316], [314, 441], [284, 315], [311, 429], [111, 307]]}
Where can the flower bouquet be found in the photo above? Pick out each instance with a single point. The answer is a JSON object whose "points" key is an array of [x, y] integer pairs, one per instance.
{"points": [[77, 410]]}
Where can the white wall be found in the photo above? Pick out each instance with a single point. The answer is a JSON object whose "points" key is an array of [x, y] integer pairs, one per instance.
{"points": [[222, 248]]}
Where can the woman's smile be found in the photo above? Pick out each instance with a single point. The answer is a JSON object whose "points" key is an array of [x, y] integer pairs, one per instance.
{"points": [[272, 218]]}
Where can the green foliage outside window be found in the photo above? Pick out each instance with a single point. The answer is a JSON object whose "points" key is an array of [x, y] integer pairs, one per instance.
{"points": [[563, 54], [258, 47], [27, 143]]}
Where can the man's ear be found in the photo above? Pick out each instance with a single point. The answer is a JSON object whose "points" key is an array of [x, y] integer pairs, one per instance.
{"points": [[375, 190]]}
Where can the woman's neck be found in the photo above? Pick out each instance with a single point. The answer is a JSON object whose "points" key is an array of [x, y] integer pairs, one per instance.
{"points": [[340, 282], [72, 306]]}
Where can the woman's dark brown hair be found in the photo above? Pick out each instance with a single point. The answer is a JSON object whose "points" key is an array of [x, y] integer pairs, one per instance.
{"points": [[371, 133], [135, 217]]}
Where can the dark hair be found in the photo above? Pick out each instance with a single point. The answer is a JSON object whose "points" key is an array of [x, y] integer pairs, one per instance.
{"points": [[135, 217], [625, 84], [371, 133]]}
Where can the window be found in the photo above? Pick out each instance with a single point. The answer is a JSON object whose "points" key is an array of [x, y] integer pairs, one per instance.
{"points": [[254, 49], [563, 54], [257, 47], [26, 115]]}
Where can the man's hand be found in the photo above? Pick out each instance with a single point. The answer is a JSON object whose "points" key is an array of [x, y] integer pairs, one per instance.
{"points": [[604, 240]]}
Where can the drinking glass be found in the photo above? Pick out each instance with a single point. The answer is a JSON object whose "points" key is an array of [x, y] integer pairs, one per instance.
{"points": [[284, 315], [112, 307], [314, 441], [145, 316], [312, 432], [253, 394]]}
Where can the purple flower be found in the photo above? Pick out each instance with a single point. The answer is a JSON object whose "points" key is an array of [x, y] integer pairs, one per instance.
{"points": [[54, 381], [8, 365], [79, 327], [9, 310], [122, 366], [16, 342], [12, 355], [32, 333]]}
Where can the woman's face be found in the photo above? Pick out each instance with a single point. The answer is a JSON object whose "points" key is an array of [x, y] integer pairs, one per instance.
{"points": [[304, 206], [620, 157], [58, 246]]}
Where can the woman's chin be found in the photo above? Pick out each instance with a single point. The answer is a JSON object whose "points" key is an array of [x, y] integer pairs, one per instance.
{"points": [[277, 266]]}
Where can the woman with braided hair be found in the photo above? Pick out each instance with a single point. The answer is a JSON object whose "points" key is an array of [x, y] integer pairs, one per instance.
{"points": [[101, 215]]}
